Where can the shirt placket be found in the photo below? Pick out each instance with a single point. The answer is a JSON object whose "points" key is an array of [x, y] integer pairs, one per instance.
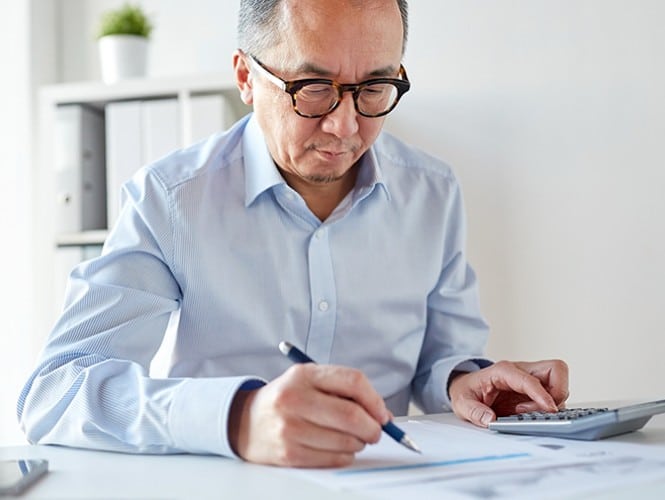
{"points": [[323, 296]]}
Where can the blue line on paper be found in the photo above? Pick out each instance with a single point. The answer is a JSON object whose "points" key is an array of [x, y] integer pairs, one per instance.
{"points": [[442, 463]]}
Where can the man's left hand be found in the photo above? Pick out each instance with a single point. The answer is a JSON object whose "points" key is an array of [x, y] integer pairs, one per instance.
{"points": [[507, 388]]}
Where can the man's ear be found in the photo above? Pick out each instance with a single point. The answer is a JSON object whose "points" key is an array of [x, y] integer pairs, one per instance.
{"points": [[243, 77]]}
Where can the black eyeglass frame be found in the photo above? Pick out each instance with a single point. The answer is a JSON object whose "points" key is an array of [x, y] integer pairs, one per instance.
{"points": [[402, 85]]}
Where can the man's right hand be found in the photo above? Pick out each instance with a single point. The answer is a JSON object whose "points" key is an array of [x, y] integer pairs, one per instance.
{"points": [[310, 416]]}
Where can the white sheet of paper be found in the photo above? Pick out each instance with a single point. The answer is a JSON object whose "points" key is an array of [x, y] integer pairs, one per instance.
{"points": [[467, 463]]}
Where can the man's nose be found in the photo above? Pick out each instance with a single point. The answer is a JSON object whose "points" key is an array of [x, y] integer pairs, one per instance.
{"points": [[343, 121]]}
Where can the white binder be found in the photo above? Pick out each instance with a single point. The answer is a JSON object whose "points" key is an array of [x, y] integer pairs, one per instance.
{"points": [[137, 133], [140, 132], [160, 128], [210, 114], [79, 164], [123, 150]]}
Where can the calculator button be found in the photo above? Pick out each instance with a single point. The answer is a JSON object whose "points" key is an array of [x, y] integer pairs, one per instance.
{"points": [[567, 414]]}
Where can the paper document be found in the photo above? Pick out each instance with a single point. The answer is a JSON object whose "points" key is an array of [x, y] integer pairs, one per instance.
{"points": [[463, 463]]}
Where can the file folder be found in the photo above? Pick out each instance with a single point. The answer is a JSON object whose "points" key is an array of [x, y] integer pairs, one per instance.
{"points": [[79, 164]]}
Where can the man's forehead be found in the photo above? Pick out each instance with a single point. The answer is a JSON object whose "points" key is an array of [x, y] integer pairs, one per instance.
{"points": [[317, 13], [328, 37]]}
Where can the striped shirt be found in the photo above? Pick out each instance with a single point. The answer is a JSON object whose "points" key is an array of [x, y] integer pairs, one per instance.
{"points": [[214, 234]]}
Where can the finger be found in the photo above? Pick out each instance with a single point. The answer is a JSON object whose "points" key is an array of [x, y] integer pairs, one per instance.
{"points": [[326, 438], [320, 394], [304, 457], [474, 411], [351, 384], [509, 377], [301, 444], [527, 407], [343, 415], [319, 459], [553, 375]]}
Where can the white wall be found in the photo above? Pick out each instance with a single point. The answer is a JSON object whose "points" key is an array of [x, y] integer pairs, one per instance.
{"points": [[196, 36], [25, 46], [551, 114], [14, 295]]}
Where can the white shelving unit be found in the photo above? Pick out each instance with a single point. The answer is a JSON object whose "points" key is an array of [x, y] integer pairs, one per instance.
{"points": [[97, 95]]}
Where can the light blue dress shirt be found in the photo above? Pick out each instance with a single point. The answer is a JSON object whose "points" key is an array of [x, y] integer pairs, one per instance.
{"points": [[214, 232]]}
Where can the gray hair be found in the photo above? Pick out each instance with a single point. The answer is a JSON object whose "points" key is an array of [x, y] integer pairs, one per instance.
{"points": [[260, 25]]}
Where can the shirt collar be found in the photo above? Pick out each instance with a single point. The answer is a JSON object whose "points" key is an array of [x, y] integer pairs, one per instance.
{"points": [[370, 175], [261, 173]]}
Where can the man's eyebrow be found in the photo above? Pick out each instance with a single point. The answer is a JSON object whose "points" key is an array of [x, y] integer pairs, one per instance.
{"points": [[313, 69], [385, 72]]}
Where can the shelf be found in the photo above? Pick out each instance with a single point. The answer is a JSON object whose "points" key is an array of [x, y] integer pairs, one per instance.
{"points": [[84, 238], [99, 93]]}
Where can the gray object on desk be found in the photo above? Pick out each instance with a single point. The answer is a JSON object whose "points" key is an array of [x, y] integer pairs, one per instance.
{"points": [[17, 475], [595, 424]]}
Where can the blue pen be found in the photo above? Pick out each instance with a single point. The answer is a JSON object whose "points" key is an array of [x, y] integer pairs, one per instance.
{"points": [[297, 356]]}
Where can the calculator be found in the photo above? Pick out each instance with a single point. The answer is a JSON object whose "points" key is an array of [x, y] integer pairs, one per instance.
{"points": [[580, 423]]}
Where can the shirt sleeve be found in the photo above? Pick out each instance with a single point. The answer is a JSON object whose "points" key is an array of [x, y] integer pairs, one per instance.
{"points": [[456, 333], [92, 388]]}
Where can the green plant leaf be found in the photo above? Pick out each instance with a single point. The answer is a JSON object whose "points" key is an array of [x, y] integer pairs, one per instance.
{"points": [[127, 20]]}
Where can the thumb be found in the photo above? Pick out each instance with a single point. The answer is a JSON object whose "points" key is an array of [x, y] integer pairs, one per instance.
{"points": [[474, 411]]}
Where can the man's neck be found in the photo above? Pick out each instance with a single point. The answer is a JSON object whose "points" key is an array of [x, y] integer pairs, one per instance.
{"points": [[322, 198]]}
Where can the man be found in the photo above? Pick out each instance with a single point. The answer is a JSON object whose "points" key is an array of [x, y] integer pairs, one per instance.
{"points": [[302, 223]]}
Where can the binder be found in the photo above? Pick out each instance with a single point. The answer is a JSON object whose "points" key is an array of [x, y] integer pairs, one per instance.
{"points": [[137, 133], [210, 113], [160, 128], [123, 150], [79, 163]]}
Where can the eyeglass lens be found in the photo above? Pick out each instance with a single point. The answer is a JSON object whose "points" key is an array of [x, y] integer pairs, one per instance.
{"points": [[319, 98]]}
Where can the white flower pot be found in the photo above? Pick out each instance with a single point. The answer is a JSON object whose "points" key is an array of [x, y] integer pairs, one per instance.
{"points": [[122, 56]]}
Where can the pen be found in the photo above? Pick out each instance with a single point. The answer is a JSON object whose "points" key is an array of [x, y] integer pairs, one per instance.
{"points": [[297, 356]]}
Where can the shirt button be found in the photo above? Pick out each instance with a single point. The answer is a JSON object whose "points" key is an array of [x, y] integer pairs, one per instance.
{"points": [[290, 195], [319, 233], [323, 306]]}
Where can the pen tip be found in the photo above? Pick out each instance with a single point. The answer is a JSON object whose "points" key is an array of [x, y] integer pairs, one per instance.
{"points": [[285, 347], [408, 442]]}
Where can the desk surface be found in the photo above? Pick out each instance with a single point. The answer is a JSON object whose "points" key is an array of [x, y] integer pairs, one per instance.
{"points": [[92, 474]]}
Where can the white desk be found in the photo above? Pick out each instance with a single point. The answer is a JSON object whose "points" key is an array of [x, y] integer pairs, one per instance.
{"points": [[78, 474]]}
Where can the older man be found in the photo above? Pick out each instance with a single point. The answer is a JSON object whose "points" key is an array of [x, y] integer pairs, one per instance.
{"points": [[305, 223]]}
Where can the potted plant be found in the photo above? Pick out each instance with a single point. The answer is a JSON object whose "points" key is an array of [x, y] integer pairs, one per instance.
{"points": [[123, 43]]}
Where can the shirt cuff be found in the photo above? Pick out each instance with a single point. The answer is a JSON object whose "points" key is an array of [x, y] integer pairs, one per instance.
{"points": [[467, 366], [433, 395], [199, 413]]}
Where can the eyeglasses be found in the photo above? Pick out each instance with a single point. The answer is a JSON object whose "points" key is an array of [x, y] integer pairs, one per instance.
{"points": [[316, 97]]}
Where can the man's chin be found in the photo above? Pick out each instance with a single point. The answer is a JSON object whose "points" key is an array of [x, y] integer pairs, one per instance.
{"points": [[323, 179]]}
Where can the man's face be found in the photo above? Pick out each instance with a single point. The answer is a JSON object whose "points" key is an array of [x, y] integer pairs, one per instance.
{"points": [[340, 40]]}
